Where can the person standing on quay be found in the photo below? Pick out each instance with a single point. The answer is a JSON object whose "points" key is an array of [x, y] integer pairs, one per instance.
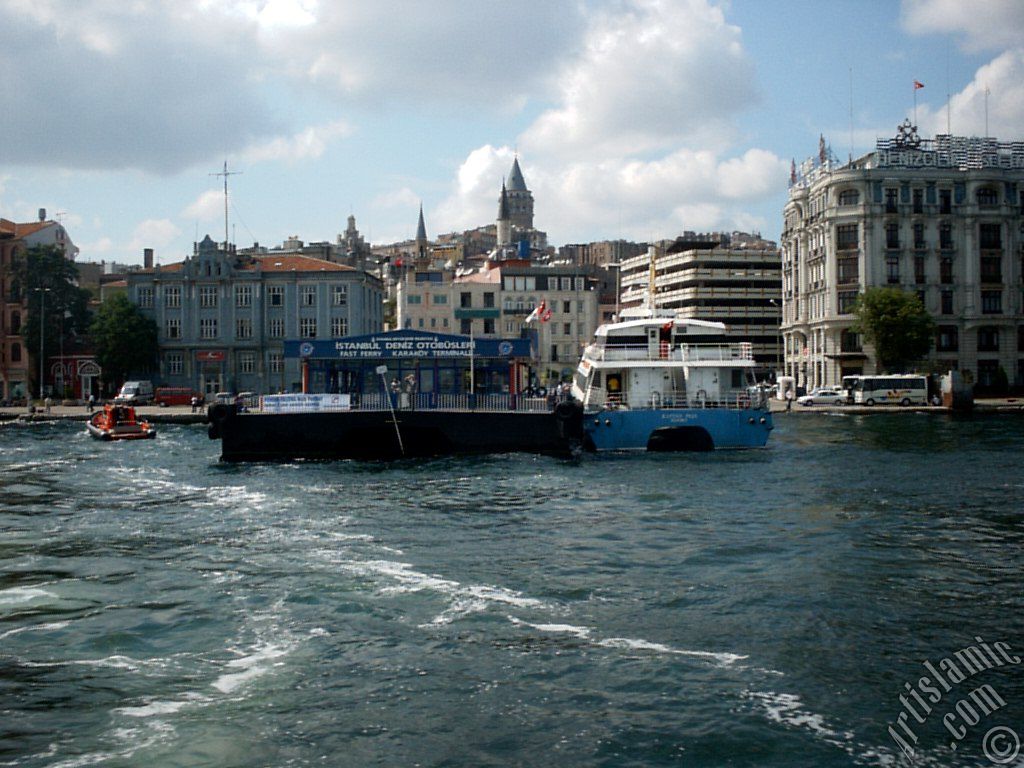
{"points": [[91, 403]]}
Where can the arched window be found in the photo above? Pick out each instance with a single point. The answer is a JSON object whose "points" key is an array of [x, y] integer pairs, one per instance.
{"points": [[849, 197], [15, 322], [15, 352]]}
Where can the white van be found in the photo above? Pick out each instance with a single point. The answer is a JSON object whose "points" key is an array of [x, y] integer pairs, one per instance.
{"points": [[135, 393]]}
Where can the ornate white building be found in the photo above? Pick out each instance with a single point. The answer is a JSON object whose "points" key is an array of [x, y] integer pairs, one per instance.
{"points": [[941, 218]]}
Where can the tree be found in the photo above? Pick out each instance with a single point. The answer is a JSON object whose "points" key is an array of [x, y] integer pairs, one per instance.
{"points": [[46, 278], [125, 340], [896, 324]]}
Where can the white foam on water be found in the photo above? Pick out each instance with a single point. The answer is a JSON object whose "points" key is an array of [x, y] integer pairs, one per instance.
{"points": [[252, 666], [630, 644], [465, 599], [23, 595], [460, 608], [788, 709], [52, 625], [158, 708], [568, 629]]}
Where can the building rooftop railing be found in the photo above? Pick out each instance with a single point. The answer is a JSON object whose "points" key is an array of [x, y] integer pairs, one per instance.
{"points": [[598, 398], [403, 401]]}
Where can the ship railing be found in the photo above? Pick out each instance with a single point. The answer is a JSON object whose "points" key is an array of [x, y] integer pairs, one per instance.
{"points": [[430, 401], [672, 353], [598, 398]]}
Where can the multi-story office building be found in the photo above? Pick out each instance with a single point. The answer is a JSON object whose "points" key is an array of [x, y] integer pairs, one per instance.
{"points": [[223, 317], [18, 365], [728, 278], [941, 218]]}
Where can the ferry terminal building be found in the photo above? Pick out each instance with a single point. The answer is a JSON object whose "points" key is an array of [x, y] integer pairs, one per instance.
{"points": [[433, 363]]}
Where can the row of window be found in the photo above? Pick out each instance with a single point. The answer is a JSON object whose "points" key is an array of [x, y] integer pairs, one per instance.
{"points": [[543, 283], [209, 296], [175, 363], [209, 328], [947, 339]]}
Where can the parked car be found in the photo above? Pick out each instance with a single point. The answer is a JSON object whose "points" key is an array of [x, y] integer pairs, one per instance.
{"points": [[823, 396]]}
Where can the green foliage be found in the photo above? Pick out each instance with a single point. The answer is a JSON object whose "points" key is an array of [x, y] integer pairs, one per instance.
{"points": [[125, 340], [43, 276], [896, 324]]}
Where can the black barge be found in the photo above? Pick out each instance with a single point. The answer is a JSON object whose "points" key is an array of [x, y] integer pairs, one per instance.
{"points": [[386, 434]]}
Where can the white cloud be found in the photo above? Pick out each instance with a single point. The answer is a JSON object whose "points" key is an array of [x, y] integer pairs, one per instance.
{"points": [[474, 199], [104, 84], [1002, 77], [207, 207], [431, 52], [641, 144], [309, 143], [153, 233], [652, 75], [92, 250], [985, 25]]}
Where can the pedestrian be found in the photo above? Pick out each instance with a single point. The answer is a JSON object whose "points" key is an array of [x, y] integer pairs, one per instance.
{"points": [[92, 402], [195, 403], [47, 402], [789, 399]]}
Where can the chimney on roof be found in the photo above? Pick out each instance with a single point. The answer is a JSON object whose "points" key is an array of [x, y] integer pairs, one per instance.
{"points": [[42, 214], [147, 258]]}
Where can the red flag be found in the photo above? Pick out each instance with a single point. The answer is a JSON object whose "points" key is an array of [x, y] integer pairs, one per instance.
{"points": [[918, 84], [545, 316]]}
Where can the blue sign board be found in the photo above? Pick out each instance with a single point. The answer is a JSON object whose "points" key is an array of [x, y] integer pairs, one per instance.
{"points": [[405, 344]]}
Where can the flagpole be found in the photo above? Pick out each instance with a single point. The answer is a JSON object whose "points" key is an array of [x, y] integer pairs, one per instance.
{"points": [[915, 104]]}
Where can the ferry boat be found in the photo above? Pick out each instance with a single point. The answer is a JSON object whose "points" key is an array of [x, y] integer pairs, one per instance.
{"points": [[118, 422], [656, 382]]}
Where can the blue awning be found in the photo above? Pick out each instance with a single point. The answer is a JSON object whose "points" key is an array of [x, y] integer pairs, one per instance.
{"points": [[405, 344]]}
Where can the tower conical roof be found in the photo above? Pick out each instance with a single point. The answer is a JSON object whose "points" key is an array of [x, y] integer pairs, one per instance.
{"points": [[503, 203], [421, 228], [516, 183]]}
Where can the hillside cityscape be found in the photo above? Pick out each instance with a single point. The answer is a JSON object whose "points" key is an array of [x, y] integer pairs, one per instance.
{"points": [[940, 218]]}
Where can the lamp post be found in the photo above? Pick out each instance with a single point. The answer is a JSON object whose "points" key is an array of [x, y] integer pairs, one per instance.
{"points": [[778, 344], [42, 333]]}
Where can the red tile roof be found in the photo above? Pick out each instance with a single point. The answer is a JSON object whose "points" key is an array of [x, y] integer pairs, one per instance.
{"points": [[301, 264]]}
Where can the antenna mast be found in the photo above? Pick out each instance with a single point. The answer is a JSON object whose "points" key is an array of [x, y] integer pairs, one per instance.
{"points": [[225, 174]]}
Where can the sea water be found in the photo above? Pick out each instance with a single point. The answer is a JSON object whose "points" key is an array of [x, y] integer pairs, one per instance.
{"points": [[749, 608]]}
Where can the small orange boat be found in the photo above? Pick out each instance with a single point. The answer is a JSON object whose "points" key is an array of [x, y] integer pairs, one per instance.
{"points": [[118, 422]]}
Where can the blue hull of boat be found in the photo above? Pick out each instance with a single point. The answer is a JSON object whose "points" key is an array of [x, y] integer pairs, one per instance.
{"points": [[676, 429]]}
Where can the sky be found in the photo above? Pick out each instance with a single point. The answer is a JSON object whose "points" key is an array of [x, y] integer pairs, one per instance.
{"points": [[631, 119]]}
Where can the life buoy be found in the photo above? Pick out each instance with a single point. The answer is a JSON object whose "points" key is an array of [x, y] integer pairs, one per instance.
{"points": [[702, 396], [655, 399]]}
